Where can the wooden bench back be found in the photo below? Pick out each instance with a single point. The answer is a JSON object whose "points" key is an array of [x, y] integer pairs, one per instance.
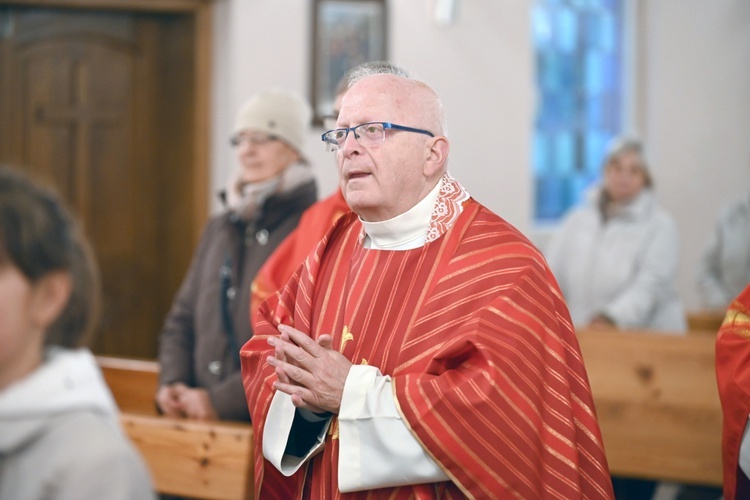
{"points": [[705, 321], [212, 460], [133, 383], [196, 459], [655, 396], [658, 404]]}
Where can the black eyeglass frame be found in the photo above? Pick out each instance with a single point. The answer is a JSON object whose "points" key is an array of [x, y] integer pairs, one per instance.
{"points": [[238, 139], [386, 126]]}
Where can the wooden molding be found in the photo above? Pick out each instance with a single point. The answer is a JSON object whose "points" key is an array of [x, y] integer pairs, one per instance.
{"points": [[139, 5]]}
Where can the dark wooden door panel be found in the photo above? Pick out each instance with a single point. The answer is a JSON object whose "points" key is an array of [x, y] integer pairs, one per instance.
{"points": [[80, 108]]}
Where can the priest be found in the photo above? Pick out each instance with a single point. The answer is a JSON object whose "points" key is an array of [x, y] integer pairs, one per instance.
{"points": [[423, 350], [733, 376]]}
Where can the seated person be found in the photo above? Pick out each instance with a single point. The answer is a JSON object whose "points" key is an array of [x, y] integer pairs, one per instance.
{"points": [[210, 319], [60, 435], [724, 268], [615, 257]]}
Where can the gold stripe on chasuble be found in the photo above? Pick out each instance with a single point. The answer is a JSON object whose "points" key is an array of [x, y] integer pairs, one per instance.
{"points": [[587, 409], [333, 429], [738, 321], [468, 450]]}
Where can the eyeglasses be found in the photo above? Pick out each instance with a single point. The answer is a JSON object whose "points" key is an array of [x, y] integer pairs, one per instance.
{"points": [[239, 139], [366, 134]]}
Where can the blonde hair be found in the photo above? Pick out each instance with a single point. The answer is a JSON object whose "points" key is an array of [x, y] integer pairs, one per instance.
{"points": [[628, 144]]}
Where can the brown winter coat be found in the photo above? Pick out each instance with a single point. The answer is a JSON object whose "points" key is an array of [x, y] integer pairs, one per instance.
{"points": [[194, 347]]}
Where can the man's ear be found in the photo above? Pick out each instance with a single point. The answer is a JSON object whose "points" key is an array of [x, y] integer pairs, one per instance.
{"points": [[51, 295], [436, 156]]}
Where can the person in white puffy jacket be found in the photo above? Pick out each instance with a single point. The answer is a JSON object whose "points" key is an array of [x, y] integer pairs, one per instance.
{"points": [[724, 267], [615, 256]]}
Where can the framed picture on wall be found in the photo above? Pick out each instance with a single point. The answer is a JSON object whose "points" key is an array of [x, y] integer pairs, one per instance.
{"points": [[345, 33]]}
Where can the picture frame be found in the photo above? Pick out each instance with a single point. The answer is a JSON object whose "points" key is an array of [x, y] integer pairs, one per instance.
{"points": [[345, 33]]}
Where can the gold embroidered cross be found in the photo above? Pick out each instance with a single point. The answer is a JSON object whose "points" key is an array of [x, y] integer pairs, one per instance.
{"points": [[346, 336]]}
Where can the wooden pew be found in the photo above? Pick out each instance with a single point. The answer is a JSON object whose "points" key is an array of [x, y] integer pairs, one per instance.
{"points": [[655, 397], [212, 460], [705, 320], [657, 403], [133, 383], [196, 459]]}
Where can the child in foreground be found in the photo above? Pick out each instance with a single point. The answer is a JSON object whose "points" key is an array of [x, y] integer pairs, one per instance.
{"points": [[60, 435]]}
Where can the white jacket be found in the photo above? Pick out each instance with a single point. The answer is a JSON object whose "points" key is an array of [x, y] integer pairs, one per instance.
{"points": [[624, 268], [724, 269], [60, 436]]}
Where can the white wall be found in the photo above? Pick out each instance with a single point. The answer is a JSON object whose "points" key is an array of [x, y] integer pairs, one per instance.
{"points": [[257, 44], [694, 108], [480, 66], [697, 116]]}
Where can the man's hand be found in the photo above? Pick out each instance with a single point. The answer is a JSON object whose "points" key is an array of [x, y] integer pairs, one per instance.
{"points": [[312, 373]]}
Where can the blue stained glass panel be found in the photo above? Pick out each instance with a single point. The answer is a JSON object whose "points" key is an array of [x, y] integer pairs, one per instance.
{"points": [[594, 72], [596, 144], [540, 154], [578, 50], [608, 33], [564, 153], [565, 29]]}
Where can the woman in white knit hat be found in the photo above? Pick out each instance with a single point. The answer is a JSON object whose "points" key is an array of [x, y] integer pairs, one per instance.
{"points": [[209, 319]]}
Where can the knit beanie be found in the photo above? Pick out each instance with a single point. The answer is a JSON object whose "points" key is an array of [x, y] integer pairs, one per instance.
{"points": [[279, 112], [629, 143]]}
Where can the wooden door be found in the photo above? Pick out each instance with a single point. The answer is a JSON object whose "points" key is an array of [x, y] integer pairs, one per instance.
{"points": [[86, 103]]}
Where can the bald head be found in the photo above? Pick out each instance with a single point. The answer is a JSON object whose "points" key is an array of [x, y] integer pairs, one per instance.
{"points": [[411, 101]]}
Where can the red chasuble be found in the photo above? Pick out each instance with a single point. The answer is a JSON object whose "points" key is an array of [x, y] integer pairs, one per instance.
{"points": [[486, 369], [733, 376], [276, 271]]}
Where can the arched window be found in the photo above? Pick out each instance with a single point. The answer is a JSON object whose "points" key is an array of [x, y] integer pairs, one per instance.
{"points": [[579, 77]]}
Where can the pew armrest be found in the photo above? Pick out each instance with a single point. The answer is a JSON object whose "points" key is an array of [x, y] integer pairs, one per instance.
{"points": [[705, 321], [133, 383]]}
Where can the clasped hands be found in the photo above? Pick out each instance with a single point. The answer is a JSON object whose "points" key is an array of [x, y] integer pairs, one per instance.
{"points": [[311, 372], [180, 401]]}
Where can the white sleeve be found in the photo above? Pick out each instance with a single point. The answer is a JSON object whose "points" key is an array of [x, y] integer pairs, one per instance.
{"points": [[376, 448], [276, 435], [744, 461]]}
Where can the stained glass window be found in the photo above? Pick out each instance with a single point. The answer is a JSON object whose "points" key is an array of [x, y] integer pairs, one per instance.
{"points": [[579, 64]]}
